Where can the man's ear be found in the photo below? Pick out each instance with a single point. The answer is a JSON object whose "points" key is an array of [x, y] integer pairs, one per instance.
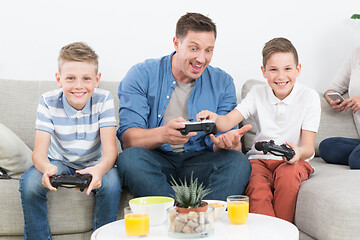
{"points": [[176, 43], [58, 80]]}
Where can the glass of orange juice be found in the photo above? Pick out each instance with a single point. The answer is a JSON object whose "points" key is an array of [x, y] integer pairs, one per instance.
{"points": [[136, 224], [238, 209]]}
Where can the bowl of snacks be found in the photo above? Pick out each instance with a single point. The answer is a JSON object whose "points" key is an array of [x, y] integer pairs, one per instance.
{"points": [[155, 206], [218, 205]]}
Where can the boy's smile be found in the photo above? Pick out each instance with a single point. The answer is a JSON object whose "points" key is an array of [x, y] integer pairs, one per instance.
{"points": [[78, 81], [281, 72]]}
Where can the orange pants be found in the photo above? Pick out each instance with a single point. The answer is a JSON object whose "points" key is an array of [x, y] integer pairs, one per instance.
{"points": [[274, 185]]}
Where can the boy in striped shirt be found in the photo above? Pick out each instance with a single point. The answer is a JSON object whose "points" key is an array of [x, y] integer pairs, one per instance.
{"points": [[75, 133]]}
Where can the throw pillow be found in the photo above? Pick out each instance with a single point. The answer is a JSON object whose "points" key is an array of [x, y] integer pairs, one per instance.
{"points": [[15, 155]]}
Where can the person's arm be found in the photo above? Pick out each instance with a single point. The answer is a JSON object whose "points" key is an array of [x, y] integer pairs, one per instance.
{"points": [[41, 160], [155, 137], [223, 122], [307, 147]]}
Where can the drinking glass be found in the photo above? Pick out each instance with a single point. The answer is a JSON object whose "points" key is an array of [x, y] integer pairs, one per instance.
{"points": [[136, 224], [238, 209]]}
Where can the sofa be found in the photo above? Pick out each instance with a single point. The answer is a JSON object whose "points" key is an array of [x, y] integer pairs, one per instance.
{"points": [[328, 205]]}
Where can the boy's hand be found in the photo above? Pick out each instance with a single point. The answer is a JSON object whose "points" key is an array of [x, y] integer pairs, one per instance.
{"points": [[230, 140], [50, 171], [353, 103], [96, 174], [296, 158], [205, 114], [172, 135]]}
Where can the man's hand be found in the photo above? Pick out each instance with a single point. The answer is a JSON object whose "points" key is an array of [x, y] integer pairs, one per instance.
{"points": [[50, 171], [353, 103], [172, 135], [230, 140]]}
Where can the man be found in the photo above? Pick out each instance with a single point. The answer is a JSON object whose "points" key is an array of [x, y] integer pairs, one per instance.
{"points": [[156, 96]]}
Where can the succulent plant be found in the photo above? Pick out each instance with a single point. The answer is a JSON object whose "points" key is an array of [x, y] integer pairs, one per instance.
{"points": [[189, 195]]}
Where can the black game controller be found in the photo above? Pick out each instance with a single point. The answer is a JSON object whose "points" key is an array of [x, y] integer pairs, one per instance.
{"points": [[71, 181], [208, 126], [277, 150]]}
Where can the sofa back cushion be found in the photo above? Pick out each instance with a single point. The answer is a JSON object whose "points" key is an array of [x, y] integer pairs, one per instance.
{"points": [[332, 123], [19, 101]]}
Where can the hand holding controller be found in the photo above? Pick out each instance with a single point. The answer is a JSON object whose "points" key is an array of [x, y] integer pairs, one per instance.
{"points": [[277, 150], [208, 126], [71, 181]]}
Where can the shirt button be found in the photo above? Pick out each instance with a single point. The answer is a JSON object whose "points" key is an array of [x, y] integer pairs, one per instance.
{"points": [[174, 82], [159, 115], [280, 116], [167, 97]]}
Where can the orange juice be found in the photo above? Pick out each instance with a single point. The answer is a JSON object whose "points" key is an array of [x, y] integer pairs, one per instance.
{"points": [[136, 224], [238, 212]]}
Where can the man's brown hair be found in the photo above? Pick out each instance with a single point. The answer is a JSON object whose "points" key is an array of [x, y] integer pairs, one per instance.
{"points": [[195, 22], [78, 52], [278, 45]]}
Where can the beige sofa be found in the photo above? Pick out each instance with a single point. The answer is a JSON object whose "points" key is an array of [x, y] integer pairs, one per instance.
{"points": [[328, 205]]}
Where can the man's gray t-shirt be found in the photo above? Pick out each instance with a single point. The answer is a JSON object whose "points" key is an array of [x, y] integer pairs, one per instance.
{"points": [[178, 106]]}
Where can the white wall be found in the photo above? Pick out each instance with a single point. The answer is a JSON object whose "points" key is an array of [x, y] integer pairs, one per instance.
{"points": [[126, 32]]}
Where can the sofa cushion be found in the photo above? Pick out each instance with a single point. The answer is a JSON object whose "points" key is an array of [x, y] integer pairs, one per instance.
{"points": [[328, 205], [70, 211], [15, 156]]}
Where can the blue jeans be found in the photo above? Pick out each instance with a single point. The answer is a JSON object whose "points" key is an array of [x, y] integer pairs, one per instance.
{"points": [[147, 172], [339, 150], [34, 201]]}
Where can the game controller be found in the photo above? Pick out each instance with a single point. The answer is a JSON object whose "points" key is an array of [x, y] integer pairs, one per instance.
{"points": [[277, 150], [208, 126], [71, 181]]}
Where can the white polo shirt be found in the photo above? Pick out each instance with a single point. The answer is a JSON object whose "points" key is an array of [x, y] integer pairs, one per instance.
{"points": [[281, 120]]}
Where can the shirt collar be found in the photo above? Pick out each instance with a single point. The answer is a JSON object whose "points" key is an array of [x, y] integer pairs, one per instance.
{"points": [[70, 111], [288, 100]]}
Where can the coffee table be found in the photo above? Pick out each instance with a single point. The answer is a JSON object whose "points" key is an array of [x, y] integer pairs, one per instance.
{"points": [[257, 227]]}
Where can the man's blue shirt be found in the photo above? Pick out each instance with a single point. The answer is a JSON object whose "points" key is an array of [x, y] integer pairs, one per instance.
{"points": [[145, 92]]}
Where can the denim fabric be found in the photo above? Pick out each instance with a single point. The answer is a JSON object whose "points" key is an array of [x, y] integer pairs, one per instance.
{"points": [[339, 150], [147, 172], [34, 201]]}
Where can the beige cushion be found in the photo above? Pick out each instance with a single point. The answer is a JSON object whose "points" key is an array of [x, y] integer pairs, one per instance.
{"points": [[15, 156]]}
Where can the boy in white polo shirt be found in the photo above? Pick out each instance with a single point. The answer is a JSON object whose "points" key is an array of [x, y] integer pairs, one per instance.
{"points": [[75, 133], [286, 112]]}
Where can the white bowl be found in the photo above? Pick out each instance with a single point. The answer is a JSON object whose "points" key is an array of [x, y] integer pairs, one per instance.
{"points": [[220, 207], [155, 206]]}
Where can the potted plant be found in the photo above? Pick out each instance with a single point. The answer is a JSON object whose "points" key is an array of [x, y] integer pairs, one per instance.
{"points": [[190, 215], [355, 16]]}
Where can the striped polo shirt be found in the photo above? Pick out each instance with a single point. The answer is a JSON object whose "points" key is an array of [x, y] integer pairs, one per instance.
{"points": [[75, 135]]}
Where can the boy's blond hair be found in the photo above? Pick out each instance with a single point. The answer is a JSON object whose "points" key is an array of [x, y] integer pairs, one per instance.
{"points": [[78, 52], [278, 45]]}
